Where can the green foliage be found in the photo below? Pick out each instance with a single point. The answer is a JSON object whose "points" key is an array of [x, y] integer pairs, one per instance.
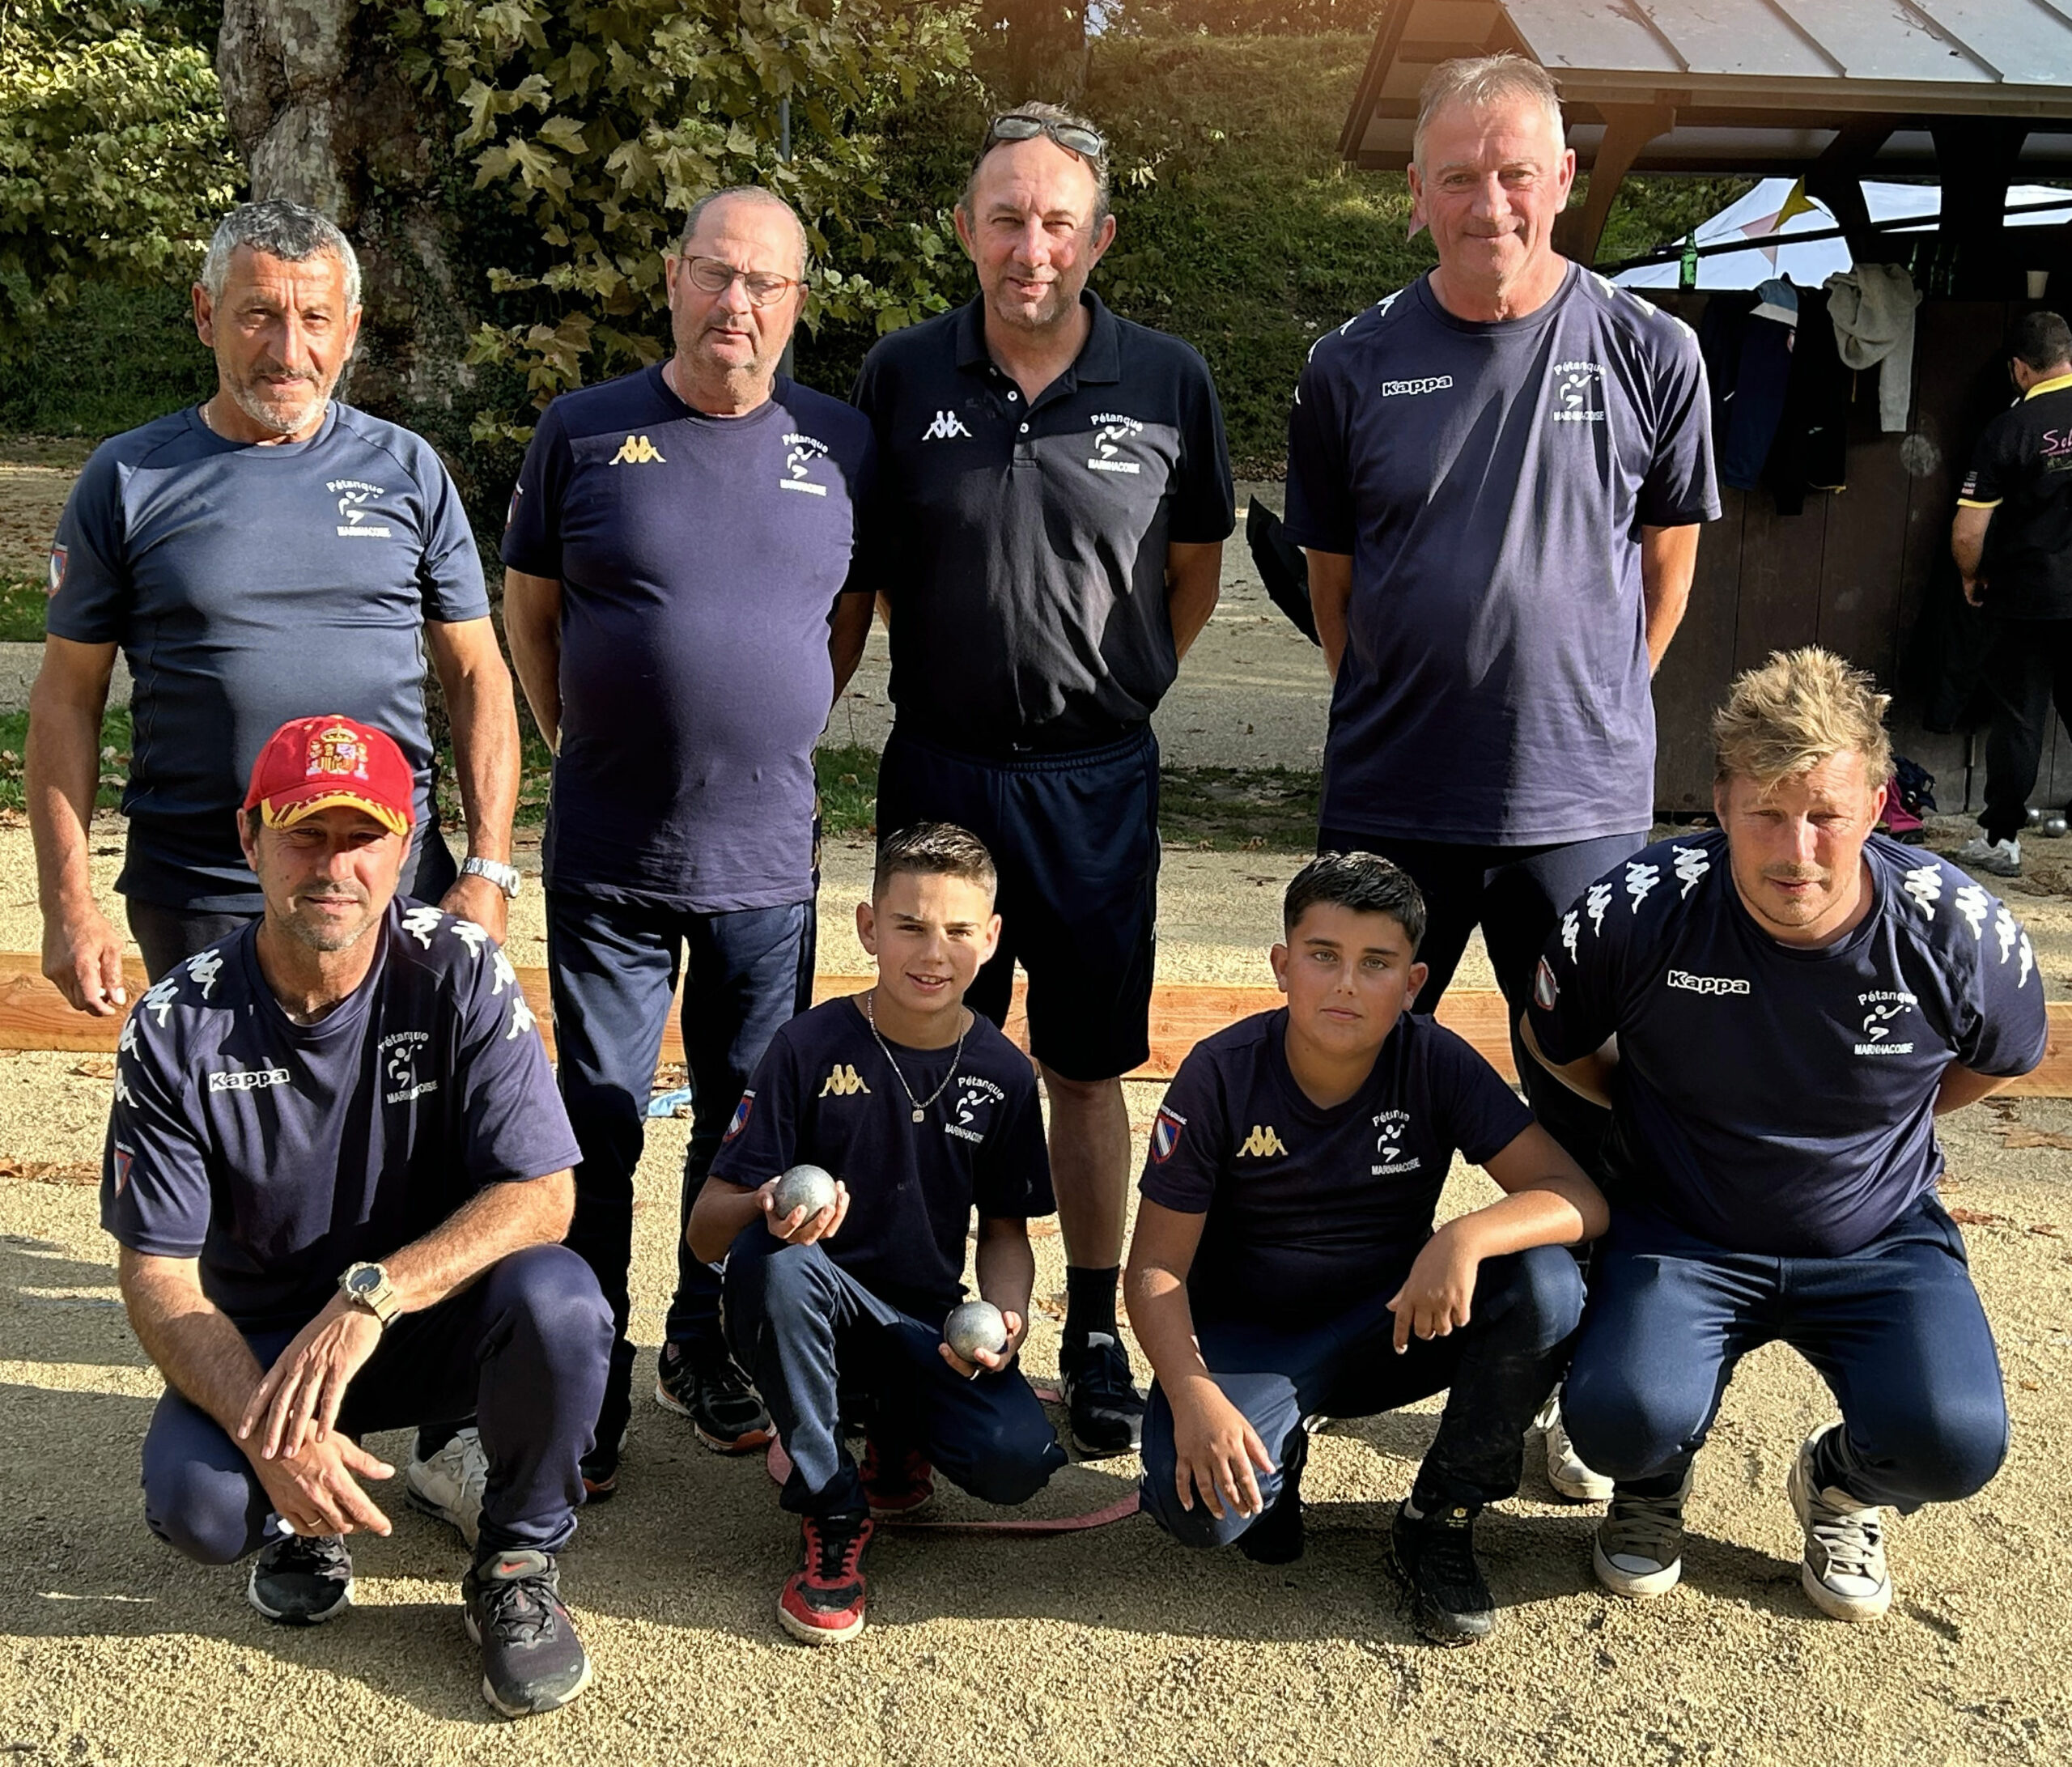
{"points": [[115, 738], [1650, 213], [115, 159], [120, 357], [602, 123]]}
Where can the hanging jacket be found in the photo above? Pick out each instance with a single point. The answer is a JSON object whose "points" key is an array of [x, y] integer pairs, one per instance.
{"points": [[1872, 306]]}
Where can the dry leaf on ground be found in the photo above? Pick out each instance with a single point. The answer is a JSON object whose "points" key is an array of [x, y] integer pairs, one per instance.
{"points": [[51, 1171], [2023, 1137], [1976, 1217]]}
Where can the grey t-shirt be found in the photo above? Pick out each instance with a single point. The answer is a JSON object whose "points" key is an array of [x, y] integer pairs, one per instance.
{"points": [[1490, 482], [247, 586]]}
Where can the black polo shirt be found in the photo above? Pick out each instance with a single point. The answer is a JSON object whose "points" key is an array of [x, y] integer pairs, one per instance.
{"points": [[2023, 473], [1022, 544]]}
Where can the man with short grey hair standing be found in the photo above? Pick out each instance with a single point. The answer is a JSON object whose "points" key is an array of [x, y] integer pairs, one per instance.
{"points": [[270, 549], [1497, 474], [677, 593]]}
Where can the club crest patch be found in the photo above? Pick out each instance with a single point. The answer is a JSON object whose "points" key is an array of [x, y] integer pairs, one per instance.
{"points": [[1545, 989], [336, 751], [1165, 1131], [60, 557], [123, 1159], [740, 1116]]}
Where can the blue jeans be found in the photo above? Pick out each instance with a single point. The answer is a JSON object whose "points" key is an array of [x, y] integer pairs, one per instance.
{"points": [[523, 1348], [613, 968], [804, 1328], [1495, 1371], [1893, 1328]]}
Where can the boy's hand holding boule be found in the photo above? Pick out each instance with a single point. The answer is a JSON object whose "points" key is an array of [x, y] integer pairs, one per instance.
{"points": [[978, 1359], [804, 1226]]}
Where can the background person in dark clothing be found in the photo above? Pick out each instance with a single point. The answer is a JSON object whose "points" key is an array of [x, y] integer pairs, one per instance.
{"points": [[2012, 538]]}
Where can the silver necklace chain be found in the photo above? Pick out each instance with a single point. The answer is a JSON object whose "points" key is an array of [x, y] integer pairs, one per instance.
{"points": [[920, 1105]]}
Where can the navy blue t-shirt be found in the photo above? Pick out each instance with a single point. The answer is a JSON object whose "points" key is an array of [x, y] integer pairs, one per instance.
{"points": [[1771, 1099], [280, 1153], [700, 559], [1312, 1211], [247, 586], [824, 1094], [1489, 482]]}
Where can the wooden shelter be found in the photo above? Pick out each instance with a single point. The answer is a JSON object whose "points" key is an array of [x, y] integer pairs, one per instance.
{"points": [[1976, 94]]}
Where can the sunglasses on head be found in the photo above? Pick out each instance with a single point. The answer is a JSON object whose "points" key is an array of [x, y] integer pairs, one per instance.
{"points": [[1074, 138]]}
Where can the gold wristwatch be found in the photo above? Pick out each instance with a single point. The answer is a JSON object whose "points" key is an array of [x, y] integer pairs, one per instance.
{"points": [[368, 1284]]}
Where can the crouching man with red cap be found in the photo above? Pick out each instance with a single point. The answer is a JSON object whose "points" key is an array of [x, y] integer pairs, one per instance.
{"points": [[338, 1171]]}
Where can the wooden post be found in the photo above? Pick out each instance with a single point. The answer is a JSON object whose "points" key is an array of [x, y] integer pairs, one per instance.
{"points": [[1628, 127]]}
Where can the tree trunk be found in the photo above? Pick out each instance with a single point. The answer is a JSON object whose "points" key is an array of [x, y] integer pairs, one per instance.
{"points": [[1039, 48], [320, 115]]}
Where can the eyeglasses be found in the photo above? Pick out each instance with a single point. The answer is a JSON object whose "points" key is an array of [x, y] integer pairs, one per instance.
{"points": [[712, 276], [1074, 138]]}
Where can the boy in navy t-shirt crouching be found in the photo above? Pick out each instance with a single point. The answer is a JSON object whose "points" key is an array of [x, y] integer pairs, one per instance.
{"points": [[923, 1111], [1284, 1262]]}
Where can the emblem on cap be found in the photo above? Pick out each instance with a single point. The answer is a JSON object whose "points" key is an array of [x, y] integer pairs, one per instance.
{"points": [[337, 752]]}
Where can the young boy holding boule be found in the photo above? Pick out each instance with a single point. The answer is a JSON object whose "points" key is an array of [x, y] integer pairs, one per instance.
{"points": [[1284, 1262], [923, 1111]]}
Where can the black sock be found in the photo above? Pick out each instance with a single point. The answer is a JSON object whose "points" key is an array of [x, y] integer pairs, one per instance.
{"points": [[1089, 1301]]}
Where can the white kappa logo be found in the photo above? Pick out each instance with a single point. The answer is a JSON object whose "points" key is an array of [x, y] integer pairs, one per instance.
{"points": [[947, 427], [1432, 383], [248, 1079]]}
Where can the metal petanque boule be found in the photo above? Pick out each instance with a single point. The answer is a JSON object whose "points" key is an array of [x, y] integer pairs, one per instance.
{"points": [[809, 1187], [975, 1325]]}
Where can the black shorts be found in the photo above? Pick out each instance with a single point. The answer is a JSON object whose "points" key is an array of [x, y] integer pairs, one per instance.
{"points": [[1074, 836]]}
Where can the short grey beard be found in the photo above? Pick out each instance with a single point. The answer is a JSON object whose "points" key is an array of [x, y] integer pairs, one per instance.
{"points": [[247, 401], [326, 941]]}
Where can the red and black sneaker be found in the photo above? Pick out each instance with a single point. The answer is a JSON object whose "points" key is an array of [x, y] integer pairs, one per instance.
{"points": [[823, 1601], [898, 1483]]}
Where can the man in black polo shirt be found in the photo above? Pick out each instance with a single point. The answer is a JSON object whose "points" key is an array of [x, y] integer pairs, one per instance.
{"points": [[2013, 541], [1054, 492]]}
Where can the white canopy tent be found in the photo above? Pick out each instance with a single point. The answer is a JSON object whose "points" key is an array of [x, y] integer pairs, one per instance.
{"points": [[1771, 251]]}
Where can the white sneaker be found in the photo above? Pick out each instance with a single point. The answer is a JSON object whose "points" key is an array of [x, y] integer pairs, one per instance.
{"points": [[1639, 1549], [2000, 858], [449, 1485], [1844, 1569], [1567, 1471]]}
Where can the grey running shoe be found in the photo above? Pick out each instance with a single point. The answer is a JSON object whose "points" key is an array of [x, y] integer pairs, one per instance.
{"points": [[302, 1579], [449, 1485], [1844, 1568], [1104, 1410], [1639, 1550], [2000, 858], [532, 1659]]}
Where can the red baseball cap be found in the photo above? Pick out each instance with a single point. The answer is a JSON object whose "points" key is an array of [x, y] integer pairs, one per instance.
{"points": [[313, 764]]}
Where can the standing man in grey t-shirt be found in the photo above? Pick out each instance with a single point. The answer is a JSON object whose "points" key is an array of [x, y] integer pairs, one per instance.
{"points": [[1498, 474], [270, 553]]}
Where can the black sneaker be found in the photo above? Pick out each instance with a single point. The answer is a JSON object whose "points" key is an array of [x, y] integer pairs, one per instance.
{"points": [[302, 1579], [1104, 1410], [1434, 1555], [532, 1659], [709, 1388], [1277, 1537]]}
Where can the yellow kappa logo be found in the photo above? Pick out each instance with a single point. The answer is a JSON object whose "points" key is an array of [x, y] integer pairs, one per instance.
{"points": [[844, 1081], [638, 451], [1261, 1143]]}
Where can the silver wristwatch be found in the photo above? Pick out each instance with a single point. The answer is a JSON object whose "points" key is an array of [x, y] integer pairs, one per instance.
{"points": [[504, 876]]}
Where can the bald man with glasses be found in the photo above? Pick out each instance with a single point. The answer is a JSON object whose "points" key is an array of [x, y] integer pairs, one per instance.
{"points": [[678, 598]]}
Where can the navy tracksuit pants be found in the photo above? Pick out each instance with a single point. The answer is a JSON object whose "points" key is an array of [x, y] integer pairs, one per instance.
{"points": [[1893, 1328], [1495, 1370], [614, 968], [523, 1348], [806, 1330]]}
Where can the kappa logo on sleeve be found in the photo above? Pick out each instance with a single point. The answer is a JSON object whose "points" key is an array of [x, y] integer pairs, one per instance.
{"points": [[740, 1116], [60, 557], [1166, 1128]]}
